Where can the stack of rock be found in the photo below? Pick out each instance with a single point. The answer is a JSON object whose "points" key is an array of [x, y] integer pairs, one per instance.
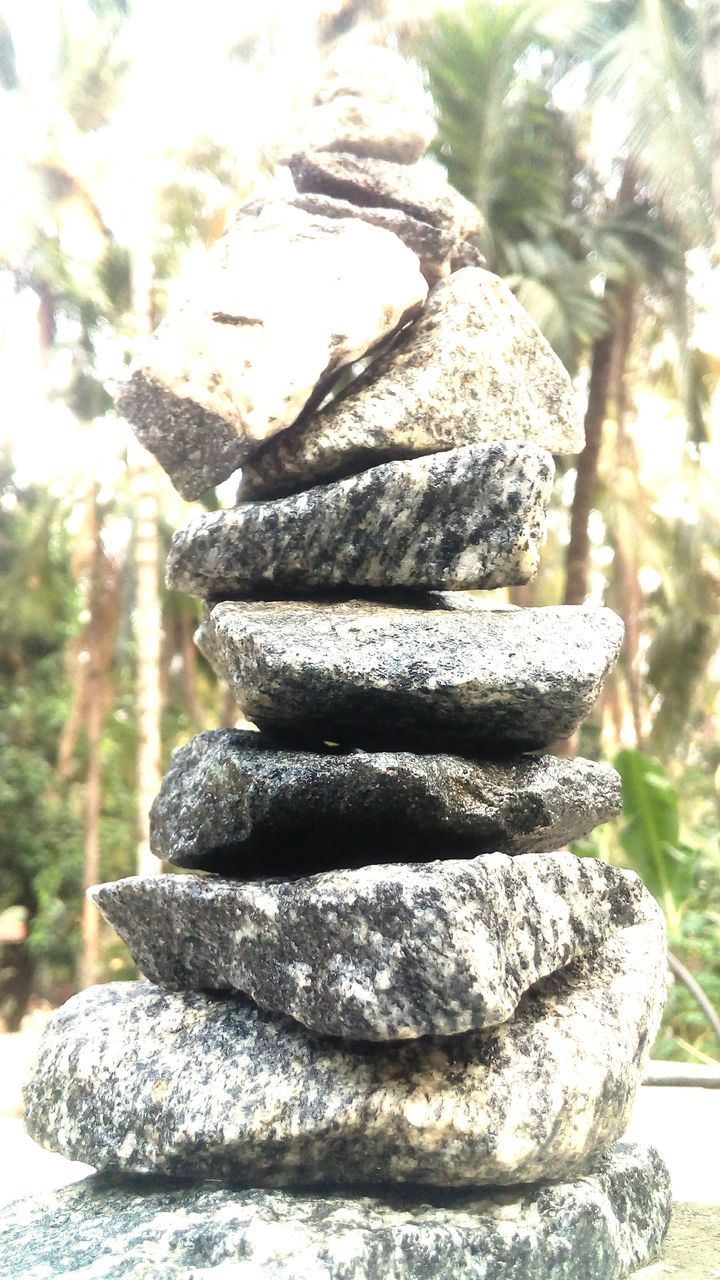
{"points": [[397, 1032]]}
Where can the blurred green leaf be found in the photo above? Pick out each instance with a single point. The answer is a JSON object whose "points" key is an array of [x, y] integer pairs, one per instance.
{"points": [[649, 835]]}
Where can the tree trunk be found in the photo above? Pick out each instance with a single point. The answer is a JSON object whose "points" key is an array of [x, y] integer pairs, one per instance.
{"points": [[148, 620], [148, 627], [602, 366], [99, 646], [90, 956], [625, 537], [577, 559], [710, 25]]}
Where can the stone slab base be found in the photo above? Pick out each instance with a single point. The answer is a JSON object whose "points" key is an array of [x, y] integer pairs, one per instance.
{"points": [[599, 1227]]}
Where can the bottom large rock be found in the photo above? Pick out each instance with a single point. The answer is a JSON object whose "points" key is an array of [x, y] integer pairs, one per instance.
{"points": [[600, 1227], [133, 1078]]}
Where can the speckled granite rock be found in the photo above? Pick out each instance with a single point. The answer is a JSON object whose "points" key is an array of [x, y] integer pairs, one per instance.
{"points": [[283, 301], [472, 517], [475, 680], [237, 802], [421, 189], [439, 252], [383, 953], [132, 1077], [473, 368], [599, 1227]]}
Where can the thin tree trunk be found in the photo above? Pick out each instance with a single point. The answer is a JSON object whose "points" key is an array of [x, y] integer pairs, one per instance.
{"points": [[624, 538], [90, 956], [577, 560], [190, 669], [148, 621], [100, 635], [710, 69], [148, 627]]}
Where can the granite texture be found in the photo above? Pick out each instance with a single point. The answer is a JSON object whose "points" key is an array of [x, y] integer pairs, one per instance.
{"points": [[597, 1227], [283, 301], [468, 518], [134, 1078], [382, 953], [473, 368], [439, 252], [239, 803], [473, 680], [421, 190]]}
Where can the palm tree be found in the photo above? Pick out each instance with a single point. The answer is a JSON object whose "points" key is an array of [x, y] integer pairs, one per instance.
{"points": [[592, 255]]}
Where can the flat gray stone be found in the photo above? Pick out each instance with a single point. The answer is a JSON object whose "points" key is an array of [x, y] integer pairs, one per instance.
{"points": [[439, 252], [473, 368], [134, 1078], [382, 953], [421, 190], [465, 679], [282, 302], [598, 1227], [469, 518], [239, 803]]}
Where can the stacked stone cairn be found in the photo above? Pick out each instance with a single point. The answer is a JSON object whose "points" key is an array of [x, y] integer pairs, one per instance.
{"points": [[388, 1031]]}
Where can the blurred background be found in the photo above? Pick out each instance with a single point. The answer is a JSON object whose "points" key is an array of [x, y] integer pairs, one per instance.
{"points": [[589, 136]]}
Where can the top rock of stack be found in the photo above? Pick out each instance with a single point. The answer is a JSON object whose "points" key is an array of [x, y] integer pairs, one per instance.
{"points": [[370, 102]]}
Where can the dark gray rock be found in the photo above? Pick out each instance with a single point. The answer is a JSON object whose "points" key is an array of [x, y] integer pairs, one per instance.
{"points": [[598, 1227], [470, 518], [382, 953], [421, 190], [283, 302], [237, 802], [473, 368], [131, 1077], [438, 251], [466, 679]]}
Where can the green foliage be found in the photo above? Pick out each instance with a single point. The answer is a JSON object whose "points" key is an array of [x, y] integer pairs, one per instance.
{"points": [[40, 834], [670, 838], [649, 832]]}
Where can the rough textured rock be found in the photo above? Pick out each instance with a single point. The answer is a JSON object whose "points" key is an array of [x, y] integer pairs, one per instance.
{"points": [[473, 368], [439, 252], [132, 1077], [236, 802], [282, 302], [383, 953], [361, 127], [473, 680], [598, 1227], [421, 190], [472, 517], [370, 102]]}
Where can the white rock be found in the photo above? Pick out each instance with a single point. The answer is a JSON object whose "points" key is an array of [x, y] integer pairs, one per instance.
{"points": [[284, 301]]}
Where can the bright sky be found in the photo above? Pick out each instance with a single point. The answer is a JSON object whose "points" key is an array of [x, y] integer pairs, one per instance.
{"points": [[181, 87]]}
